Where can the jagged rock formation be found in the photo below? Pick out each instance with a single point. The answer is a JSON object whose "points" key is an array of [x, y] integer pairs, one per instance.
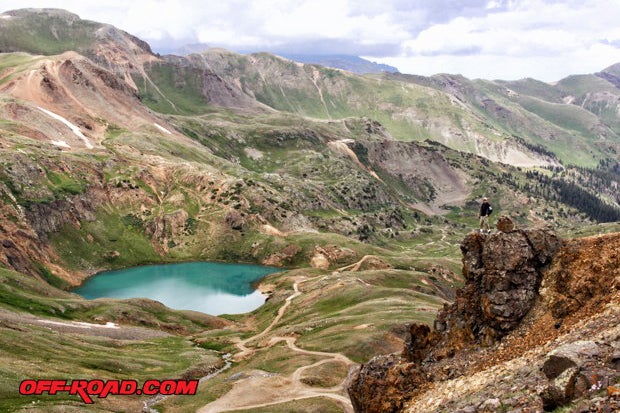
{"points": [[554, 336], [503, 273]]}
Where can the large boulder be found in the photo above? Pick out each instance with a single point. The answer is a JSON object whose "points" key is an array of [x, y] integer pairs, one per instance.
{"points": [[576, 370], [382, 384], [505, 224]]}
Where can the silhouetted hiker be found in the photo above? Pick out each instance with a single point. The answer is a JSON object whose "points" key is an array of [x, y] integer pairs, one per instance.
{"points": [[485, 211]]}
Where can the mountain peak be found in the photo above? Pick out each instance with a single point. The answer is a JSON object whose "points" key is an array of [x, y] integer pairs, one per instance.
{"points": [[611, 74], [49, 12], [51, 31], [614, 69]]}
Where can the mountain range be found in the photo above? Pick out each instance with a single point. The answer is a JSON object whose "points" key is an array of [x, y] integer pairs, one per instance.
{"points": [[354, 64], [113, 156]]}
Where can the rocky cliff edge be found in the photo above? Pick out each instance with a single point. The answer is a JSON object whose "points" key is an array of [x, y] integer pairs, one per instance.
{"points": [[535, 328]]}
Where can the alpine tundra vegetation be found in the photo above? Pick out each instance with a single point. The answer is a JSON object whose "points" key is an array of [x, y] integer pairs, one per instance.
{"points": [[363, 188]]}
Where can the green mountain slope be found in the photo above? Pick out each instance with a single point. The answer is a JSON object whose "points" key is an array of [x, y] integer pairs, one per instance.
{"points": [[361, 186], [46, 32], [486, 118], [542, 115], [491, 119], [54, 31], [409, 112]]}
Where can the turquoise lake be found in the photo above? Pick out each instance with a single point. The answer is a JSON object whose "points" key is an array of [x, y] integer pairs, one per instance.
{"points": [[208, 287]]}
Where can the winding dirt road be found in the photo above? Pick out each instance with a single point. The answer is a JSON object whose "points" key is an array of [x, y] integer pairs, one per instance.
{"points": [[257, 389], [355, 266]]}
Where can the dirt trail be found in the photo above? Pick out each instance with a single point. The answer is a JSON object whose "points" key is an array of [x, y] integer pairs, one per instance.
{"points": [[259, 389], [355, 266], [245, 352], [444, 234]]}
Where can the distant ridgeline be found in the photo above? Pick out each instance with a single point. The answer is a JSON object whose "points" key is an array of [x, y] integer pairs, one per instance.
{"points": [[349, 63]]}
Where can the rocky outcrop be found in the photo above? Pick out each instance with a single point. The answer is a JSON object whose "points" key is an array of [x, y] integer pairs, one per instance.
{"points": [[235, 220], [167, 230], [324, 256], [284, 257], [379, 386], [564, 352], [503, 273], [49, 217], [505, 224]]}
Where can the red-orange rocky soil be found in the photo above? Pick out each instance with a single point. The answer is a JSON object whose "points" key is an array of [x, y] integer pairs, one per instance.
{"points": [[535, 328]]}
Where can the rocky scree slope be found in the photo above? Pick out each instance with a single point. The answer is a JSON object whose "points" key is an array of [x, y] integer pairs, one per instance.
{"points": [[534, 328]]}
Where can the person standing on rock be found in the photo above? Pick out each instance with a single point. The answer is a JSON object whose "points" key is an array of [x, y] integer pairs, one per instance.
{"points": [[485, 212]]}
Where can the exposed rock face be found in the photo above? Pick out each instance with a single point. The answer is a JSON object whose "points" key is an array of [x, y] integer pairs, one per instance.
{"points": [[49, 217], [503, 274], [323, 257], [565, 351], [424, 170], [577, 279], [235, 220], [15, 257], [167, 230], [380, 385], [283, 257], [319, 260]]}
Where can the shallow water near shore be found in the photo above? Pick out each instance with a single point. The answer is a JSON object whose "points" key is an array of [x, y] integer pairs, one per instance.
{"points": [[209, 287]]}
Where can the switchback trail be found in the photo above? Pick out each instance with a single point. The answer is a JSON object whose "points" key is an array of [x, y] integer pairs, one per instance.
{"points": [[257, 389]]}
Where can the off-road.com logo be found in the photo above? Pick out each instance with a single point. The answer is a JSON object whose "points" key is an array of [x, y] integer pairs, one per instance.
{"points": [[87, 389]]}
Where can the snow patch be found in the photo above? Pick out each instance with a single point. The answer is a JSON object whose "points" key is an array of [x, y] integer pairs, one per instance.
{"points": [[253, 153], [61, 144], [161, 128], [79, 324], [71, 126], [568, 99]]}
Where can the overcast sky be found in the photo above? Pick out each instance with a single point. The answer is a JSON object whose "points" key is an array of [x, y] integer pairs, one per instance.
{"points": [[490, 39]]}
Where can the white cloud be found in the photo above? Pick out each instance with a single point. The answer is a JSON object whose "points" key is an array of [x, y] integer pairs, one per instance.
{"points": [[227, 36], [332, 19], [548, 68], [538, 29], [481, 38], [529, 38]]}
